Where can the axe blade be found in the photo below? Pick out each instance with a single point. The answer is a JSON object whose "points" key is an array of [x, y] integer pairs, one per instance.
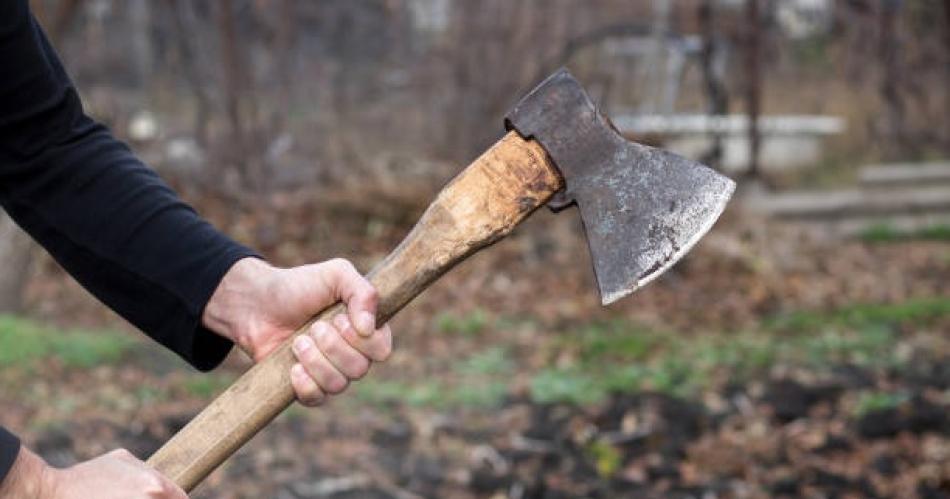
{"points": [[643, 212], [642, 208]]}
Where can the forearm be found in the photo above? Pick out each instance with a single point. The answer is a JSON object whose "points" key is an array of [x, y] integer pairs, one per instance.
{"points": [[108, 219], [125, 236]]}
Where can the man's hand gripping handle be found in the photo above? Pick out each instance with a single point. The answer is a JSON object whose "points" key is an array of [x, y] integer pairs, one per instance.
{"points": [[480, 206]]}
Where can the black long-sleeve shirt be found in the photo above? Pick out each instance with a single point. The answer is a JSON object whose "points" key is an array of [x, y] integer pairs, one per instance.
{"points": [[108, 219]]}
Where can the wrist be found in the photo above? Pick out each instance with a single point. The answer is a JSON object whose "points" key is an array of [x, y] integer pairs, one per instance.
{"points": [[235, 300], [30, 477]]}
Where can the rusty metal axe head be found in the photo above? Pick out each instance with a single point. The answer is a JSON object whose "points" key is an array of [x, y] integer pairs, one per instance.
{"points": [[642, 208]]}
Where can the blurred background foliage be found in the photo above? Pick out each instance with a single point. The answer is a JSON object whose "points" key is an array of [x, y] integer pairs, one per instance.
{"points": [[282, 93]]}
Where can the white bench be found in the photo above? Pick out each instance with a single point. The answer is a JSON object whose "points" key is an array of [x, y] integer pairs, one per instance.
{"points": [[787, 141]]}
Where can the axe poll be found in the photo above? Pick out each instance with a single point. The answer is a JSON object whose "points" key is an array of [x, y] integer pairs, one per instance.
{"points": [[642, 210]]}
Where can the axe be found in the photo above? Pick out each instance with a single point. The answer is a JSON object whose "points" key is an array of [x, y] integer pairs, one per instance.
{"points": [[642, 210]]}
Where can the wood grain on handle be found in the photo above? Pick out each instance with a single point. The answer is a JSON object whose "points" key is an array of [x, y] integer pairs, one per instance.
{"points": [[480, 206]]}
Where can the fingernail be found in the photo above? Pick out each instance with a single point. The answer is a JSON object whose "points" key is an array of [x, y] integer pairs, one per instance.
{"points": [[367, 324], [298, 371], [302, 344]]}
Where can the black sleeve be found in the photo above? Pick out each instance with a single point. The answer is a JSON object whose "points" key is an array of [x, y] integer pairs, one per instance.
{"points": [[9, 450], [109, 220]]}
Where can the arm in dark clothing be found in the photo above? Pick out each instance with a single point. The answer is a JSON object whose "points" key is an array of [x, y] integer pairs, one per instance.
{"points": [[108, 219], [9, 448]]}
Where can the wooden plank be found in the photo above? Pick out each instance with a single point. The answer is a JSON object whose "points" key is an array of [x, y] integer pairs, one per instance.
{"points": [[905, 174], [853, 202]]}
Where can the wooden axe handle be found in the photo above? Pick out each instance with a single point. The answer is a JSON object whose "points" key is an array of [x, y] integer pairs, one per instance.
{"points": [[480, 206]]}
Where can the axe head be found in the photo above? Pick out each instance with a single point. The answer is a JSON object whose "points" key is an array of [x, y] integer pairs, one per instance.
{"points": [[642, 208]]}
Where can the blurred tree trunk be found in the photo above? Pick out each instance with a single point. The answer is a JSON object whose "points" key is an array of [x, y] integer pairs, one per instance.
{"points": [[658, 58], [285, 41], [946, 55], [235, 85], [715, 88], [753, 81], [231, 70], [895, 139], [501, 46], [141, 43], [190, 70], [15, 255], [66, 12]]}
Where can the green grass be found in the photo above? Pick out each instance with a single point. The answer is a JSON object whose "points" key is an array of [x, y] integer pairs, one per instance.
{"points": [[24, 342], [606, 361], [147, 395], [480, 380], [464, 393], [207, 385], [604, 357], [572, 385], [886, 233], [488, 394], [377, 391], [878, 401], [915, 312], [619, 357], [869, 346], [606, 458], [491, 361], [618, 339], [468, 325], [590, 383]]}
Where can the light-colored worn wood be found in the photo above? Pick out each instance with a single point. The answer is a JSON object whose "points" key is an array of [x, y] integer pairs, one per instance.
{"points": [[480, 206]]}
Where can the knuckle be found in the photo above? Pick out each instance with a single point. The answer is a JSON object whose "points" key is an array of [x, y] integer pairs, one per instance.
{"points": [[327, 340], [342, 265], [304, 348], [358, 368], [342, 322], [336, 384], [318, 329], [314, 360], [308, 358]]}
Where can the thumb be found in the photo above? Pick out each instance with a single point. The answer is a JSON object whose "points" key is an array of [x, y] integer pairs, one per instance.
{"points": [[172, 490]]}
